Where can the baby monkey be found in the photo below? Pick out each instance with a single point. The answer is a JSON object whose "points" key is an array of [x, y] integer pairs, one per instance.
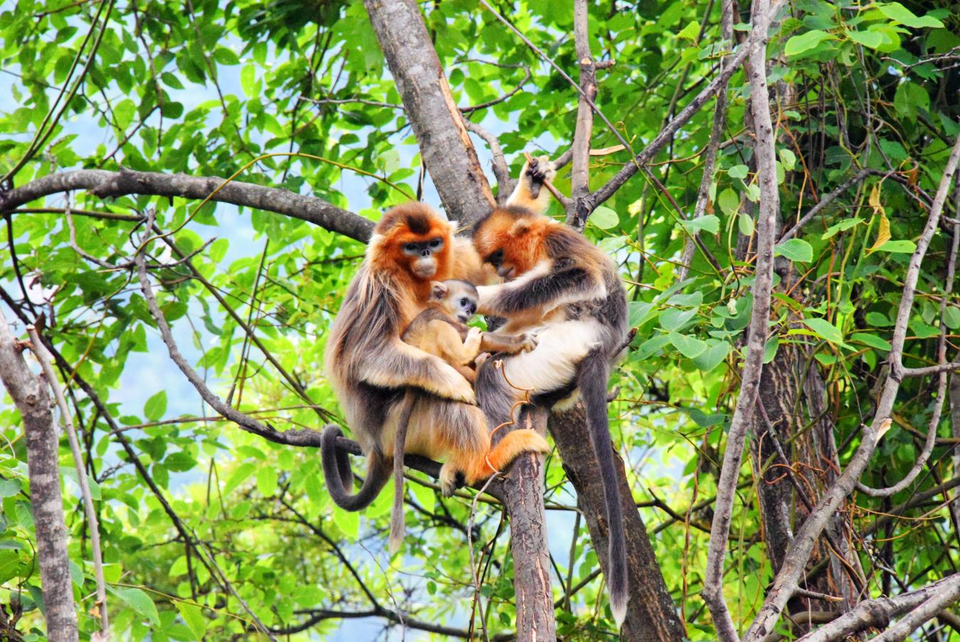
{"points": [[441, 330]]}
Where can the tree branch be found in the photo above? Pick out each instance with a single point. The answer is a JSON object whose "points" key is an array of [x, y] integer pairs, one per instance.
{"points": [[757, 333], [445, 145], [31, 398], [501, 170], [106, 184], [44, 358], [583, 132]]}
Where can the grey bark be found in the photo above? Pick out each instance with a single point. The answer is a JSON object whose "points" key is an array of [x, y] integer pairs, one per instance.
{"points": [[445, 145], [30, 395], [651, 613], [106, 184]]}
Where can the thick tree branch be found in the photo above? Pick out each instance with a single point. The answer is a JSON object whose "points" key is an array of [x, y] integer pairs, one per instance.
{"points": [[877, 613], [501, 170], [106, 184], [757, 332], [45, 364], [444, 143], [583, 132], [31, 398]]}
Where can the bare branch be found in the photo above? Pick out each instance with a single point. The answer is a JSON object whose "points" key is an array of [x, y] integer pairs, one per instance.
{"points": [[45, 364], [583, 132], [757, 333], [501, 170], [104, 184], [877, 613], [445, 145]]}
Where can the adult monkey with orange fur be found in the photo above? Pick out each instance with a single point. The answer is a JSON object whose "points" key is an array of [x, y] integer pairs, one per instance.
{"points": [[568, 292], [370, 368]]}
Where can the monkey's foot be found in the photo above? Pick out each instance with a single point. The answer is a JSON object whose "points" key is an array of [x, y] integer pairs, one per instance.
{"points": [[542, 169], [482, 359]]}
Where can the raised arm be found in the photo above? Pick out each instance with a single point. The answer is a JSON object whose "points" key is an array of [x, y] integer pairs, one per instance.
{"points": [[545, 287]]}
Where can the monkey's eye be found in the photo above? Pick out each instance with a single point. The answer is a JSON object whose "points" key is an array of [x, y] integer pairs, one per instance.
{"points": [[410, 247], [496, 258], [435, 243], [464, 301]]}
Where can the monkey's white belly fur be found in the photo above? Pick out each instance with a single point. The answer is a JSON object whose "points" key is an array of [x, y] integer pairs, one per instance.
{"points": [[561, 346]]}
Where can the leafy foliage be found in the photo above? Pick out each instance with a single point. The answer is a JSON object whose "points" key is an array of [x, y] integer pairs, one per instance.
{"points": [[213, 88]]}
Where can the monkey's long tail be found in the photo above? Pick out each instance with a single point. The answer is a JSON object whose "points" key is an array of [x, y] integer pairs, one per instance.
{"points": [[339, 477], [594, 376], [397, 524]]}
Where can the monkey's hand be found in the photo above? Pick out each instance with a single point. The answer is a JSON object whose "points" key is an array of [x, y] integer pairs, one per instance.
{"points": [[528, 342], [471, 346]]}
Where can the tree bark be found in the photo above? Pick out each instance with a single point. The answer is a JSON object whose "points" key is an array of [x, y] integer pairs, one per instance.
{"points": [[105, 184], [32, 399], [651, 613], [435, 118]]}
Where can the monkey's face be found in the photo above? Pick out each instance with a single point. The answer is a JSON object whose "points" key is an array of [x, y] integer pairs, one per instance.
{"points": [[457, 297], [423, 256], [508, 242]]}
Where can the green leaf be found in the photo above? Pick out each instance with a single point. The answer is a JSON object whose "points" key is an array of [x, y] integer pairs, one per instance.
{"points": [[712, 356], [805, 42], [674, 319], [745, 223], [898, 247], [138, 601], [729, 202], [240, 475], [795, 250], [604, 218], [870, 39], [951, 317], [651, 346], [871, 340], [638, 312], [267, 481], [788, 158], [738, 171], [691, 31], [9, 487], [842, 226], [689, 346], [899, 13], [193, 616], [155, 407], [708, 222], [825, 330], [877, 319]]}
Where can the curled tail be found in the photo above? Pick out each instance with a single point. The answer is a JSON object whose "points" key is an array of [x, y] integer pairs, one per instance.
{"points": [[594, 375], [397, 524], [339, 477]]}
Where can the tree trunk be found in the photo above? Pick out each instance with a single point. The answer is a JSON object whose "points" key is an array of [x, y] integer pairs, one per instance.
{"points": [[444, 143], [651, 613], [30, 395]]}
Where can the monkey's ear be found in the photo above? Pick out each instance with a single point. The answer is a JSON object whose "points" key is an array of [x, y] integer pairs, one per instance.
{"points": [[520, 228], [439, 290]]}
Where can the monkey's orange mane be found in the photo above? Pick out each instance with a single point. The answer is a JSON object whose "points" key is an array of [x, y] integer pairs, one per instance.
{"points": [[409, 223]]}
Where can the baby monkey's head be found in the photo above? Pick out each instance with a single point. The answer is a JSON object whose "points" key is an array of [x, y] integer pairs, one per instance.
{"points": [[458, 298]]}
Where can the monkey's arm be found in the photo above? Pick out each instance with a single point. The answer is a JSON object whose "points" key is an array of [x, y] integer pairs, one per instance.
{"points": [[528, 193], [550, 284], [400, 365]]}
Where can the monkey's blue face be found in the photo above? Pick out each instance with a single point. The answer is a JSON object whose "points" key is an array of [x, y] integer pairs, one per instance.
{"points": [[466, 307], [423, 255]]}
